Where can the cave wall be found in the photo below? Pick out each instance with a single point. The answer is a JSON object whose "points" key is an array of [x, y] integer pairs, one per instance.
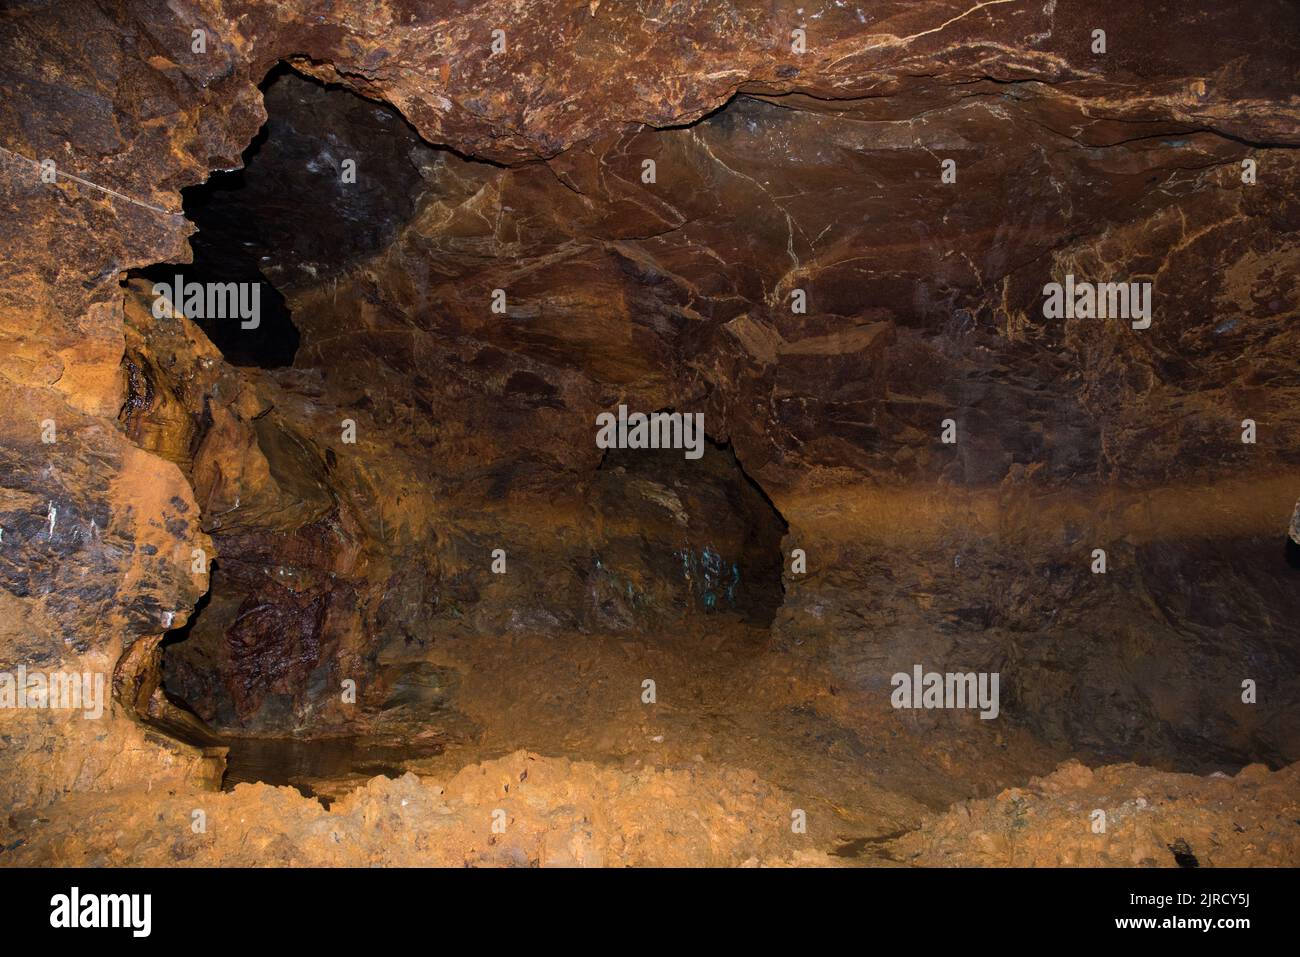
{"points": [[775, 171]]}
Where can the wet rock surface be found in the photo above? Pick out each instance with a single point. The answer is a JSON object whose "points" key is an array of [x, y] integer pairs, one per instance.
{"points": [[382, 515]]}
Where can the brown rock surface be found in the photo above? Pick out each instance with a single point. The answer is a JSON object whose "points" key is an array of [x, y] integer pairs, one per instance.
{"points": [[555, 813], [329, 562], [1147, 819]]}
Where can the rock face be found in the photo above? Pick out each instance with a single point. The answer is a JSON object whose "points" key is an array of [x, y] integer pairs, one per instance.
{"points": [[476, 227]]}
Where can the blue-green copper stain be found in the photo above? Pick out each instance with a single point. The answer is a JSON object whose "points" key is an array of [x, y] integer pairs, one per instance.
{"points": [[708, 576]]}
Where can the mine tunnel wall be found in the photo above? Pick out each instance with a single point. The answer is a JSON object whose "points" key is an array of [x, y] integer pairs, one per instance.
{"points": [[326, 553]]}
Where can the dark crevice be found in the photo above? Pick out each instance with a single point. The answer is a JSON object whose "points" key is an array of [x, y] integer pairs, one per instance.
{"points": [[230, 246], [327, 182], [720, 531]]}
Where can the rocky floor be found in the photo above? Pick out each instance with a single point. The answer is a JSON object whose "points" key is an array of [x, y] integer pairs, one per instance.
{"points": [[1151, 819], [551, 757]]}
